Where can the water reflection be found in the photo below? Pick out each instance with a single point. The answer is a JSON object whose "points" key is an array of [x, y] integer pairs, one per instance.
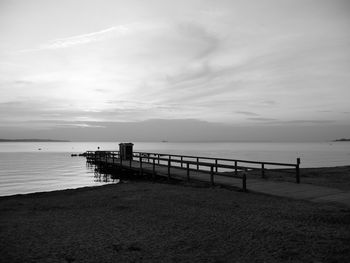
{"points": [[102, 175]]}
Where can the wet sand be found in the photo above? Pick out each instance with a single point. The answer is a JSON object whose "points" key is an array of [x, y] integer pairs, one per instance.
{"points": [[160, 222]]}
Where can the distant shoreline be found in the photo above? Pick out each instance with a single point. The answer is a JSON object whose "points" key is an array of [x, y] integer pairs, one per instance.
{"points": [[136, 141], [342, 140], [32, 140]]}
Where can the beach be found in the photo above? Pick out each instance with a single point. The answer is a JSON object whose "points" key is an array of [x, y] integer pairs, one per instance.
{"points": [[139, 221], [334, 177]]}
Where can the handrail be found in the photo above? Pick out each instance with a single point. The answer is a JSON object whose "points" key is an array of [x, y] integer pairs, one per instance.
{"points": [[221, 159], [148, 155]]}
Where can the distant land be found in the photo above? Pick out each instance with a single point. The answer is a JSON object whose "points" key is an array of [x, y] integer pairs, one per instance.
{"points": [[31, 140], [342, 140]]}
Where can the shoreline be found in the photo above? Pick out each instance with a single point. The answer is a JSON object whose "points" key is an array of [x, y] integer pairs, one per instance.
{"points": [[337, 177], [150, 222]]}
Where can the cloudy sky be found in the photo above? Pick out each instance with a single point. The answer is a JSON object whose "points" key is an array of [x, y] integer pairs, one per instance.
{"points": [[89, 65]]}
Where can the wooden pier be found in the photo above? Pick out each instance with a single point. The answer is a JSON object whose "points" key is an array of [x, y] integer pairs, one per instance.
{"points": [[183, 167]]}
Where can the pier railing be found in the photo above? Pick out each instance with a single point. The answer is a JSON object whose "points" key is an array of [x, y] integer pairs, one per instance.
{"points": [[219, 166]]}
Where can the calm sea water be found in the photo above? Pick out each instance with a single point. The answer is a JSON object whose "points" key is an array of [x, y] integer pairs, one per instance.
{"points": [[26, 169]]}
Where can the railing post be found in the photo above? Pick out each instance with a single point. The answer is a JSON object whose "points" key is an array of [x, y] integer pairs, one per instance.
{"points": [[188, 171], [297, 171], [158, 158], [216, 165], [236, 172], [182, 161], [244, 182], [169, 163], [132, 157], [212, 175], [197, 163], [263, 170], [141, 172], [154, 169]]}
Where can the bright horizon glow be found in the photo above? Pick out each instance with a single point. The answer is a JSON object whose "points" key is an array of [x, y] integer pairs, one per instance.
{"points": [[251, 63]]}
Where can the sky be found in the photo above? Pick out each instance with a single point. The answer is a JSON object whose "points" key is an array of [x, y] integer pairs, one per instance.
{"points": [[219, 70]]}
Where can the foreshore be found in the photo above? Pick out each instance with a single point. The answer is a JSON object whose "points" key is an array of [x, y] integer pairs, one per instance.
{"points": [[161, 222], [334, 177]]}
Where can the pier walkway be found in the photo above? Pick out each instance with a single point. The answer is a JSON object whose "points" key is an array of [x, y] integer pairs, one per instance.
{"points": [[216, 171]]}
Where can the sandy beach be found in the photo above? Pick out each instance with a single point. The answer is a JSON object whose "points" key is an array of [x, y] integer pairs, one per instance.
{"points": [[160, 222], [335, 177]]}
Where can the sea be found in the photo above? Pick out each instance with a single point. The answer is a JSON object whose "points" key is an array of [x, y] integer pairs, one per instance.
{"points": [[28, 167]]}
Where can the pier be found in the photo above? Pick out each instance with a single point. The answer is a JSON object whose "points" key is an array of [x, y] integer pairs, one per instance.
{"points": [[240, 174], [184, 167]]}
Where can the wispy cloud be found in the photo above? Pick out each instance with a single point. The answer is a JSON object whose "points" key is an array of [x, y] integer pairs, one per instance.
{"points": [[290, 122], [83, 39], [248, 113], [309, 122], [262, 119], [207, 40], [78, 125]]}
